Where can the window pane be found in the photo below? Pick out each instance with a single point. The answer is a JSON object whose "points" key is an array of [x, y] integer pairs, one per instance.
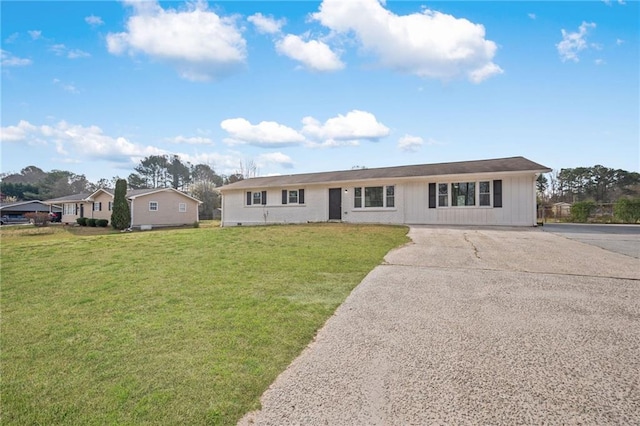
{"points": [[463, 194], [485, 195], [357, 197], [257, 198], [293, 197], [443, 194], [373, 196], [391, 196]]}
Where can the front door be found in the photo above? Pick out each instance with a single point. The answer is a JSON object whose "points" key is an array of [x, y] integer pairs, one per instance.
{"points": [[335, 203], [81, 210]]}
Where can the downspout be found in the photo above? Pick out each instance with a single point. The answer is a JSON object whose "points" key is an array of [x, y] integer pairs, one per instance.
{"points": [[131, 210], [221, 210], [535, 200]]}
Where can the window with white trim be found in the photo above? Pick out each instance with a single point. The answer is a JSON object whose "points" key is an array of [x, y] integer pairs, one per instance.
{"points": [[463, 194], [443, 194], [374, 196], [110, 205], [97, 206], [485, 193], [357, 197], [69, 209], [256, 198], [391, 197], [153, 206], [182, 207], [293, 196]]}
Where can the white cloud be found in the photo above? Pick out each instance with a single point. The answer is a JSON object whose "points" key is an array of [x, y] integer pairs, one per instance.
{"points": [[225, 164], [410, 143], [17, 133], [62, 50], [77, 53], [35, 34], [266, 24], [8, 60], [194, 140], [283, 160], [532, 15], [599, 61], [619, 41], [264, 134], [200, 44], [12, 38], [313, 54], [94, 21], [572, 43], [344, 129], [65, 86], [427, 44], [79, 142]]}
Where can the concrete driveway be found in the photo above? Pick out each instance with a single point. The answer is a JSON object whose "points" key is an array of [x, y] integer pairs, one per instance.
{"points": [[624, 239], [475, 326]]}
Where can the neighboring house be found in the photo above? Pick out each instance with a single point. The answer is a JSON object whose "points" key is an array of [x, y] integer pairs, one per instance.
{"points": [[485, 192], [561, 210], [149, 207], [19, 209]]}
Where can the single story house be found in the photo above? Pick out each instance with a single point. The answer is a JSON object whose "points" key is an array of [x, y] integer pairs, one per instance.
{"points": [[485, 192], [18, 209], [149, 207]]}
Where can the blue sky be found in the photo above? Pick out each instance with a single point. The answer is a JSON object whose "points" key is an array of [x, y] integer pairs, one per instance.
{"points": [[316, 86]]}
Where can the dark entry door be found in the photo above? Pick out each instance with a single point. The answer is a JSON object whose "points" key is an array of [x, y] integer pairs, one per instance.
{"points": [[81, 210], [335, 203]]}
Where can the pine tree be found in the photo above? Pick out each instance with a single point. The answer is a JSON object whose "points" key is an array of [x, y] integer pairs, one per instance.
{"points": [[121, 215]]}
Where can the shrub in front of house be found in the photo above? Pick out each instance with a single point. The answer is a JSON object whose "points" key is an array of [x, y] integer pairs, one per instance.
{"points": [[92, 222], [627, 210], [102, 223], [581, 211], [38, 218], [82, 221]]}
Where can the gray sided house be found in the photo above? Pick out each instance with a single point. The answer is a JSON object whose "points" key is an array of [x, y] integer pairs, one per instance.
{"points": [[483, 192], [16, 211], [149, 207]]}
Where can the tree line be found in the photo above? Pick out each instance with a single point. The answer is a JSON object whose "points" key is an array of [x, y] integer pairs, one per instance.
{"points": [[599, 184]]}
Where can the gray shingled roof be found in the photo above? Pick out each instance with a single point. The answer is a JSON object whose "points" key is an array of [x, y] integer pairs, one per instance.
{"points": [[511, 164], [74, 197]]}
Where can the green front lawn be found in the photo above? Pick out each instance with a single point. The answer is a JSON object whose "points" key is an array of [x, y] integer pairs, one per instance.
{"points": [[184, 326]]}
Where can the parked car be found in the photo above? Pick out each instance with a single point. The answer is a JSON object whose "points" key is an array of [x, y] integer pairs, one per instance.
{"points": [[13, 219]]}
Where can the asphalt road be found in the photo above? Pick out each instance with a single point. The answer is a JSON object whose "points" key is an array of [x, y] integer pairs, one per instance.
{"points": [[624, 239], [495, 326]]}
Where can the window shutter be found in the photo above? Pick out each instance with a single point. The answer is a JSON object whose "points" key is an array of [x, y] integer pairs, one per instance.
{"points": [[432, 195], [248, 198], [497, 193], [284, 196], [264, 197], [300, 196]]}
